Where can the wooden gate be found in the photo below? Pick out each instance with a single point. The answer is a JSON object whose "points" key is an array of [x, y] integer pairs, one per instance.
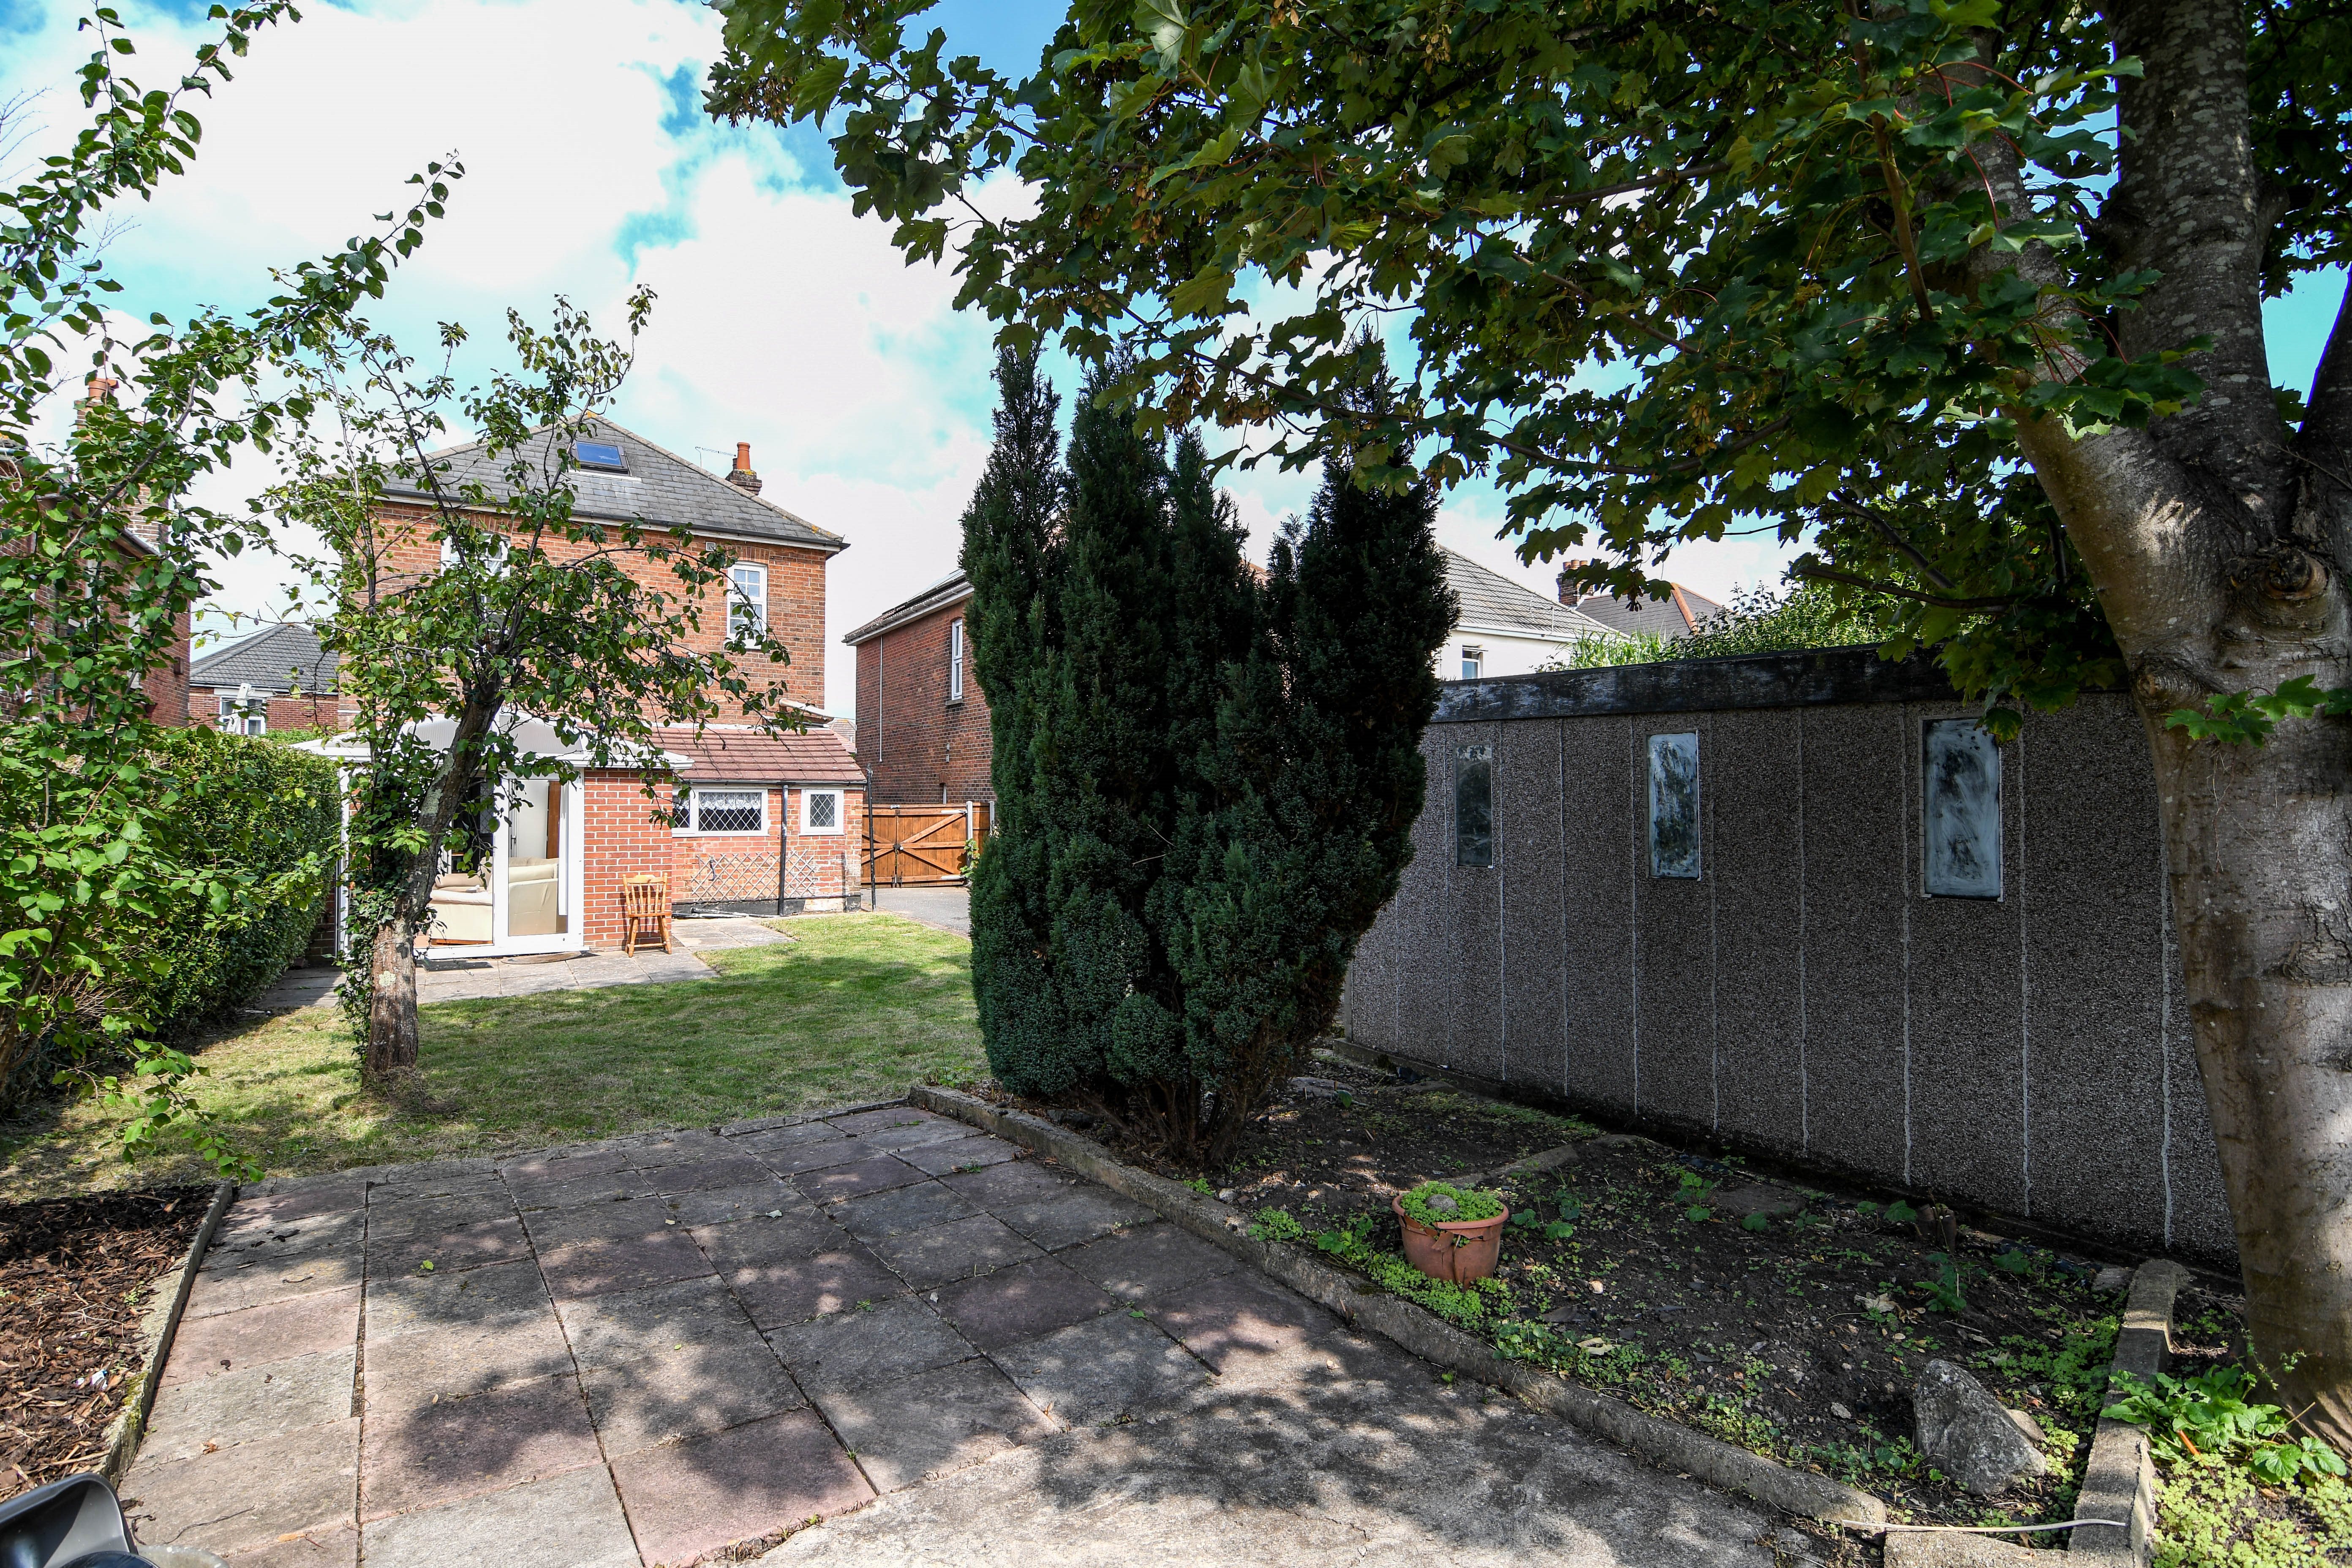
{"points": [[913, 844]]}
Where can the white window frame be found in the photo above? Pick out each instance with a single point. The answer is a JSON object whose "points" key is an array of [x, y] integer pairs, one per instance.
{"points": [[1474, 661], [692, 817], [955, 659], [840, 813], [741, 605], [243, 719]]}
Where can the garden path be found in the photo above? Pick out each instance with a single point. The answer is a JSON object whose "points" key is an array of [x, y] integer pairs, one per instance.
{"points": [[640, 1352]]}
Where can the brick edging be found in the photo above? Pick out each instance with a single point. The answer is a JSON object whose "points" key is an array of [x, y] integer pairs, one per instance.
{"points": [[122, 1438], [1663, 1443], [2119, 1478]]}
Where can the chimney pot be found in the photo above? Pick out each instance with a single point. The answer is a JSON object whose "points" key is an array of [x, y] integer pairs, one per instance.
{"points": [[742, 477], [1569, 592]]}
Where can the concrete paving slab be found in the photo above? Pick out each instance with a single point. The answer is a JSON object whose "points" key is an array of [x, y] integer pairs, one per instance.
{"points": [[248, 1496], [948, 909], [231, 1341], [928, 1259], [686, 1390], [864, 1347], [725, 1169], [466, 1247], [908, 1431], [608, 1331], [1074, 1217], [959, 1155], [580, 1268], [597, 1188], [1149, 1262], [404, 1217], [873, 1174], [281, 1243], [878, 1215], [1021, 1303], [723, 1205], [1240, 1323], [1102, 1370], [789, 1160], [417, 1303], [460, 979], [774, 1237], [266, 1401], [454, 1449], [307, 1549], [436, 1178], [628, 1218], [1014, 1182], [798, 1289], [459, 1360], [696, 1496], [294, 1201], [684, 1147], [903, 1129], [560, 1165], [233, 1290], [784, 1135], [570, 1520], [859, 1123]]}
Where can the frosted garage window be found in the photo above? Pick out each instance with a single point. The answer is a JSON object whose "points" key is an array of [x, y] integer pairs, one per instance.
{"points": [[1673, 805], [1960, 805], [1474, 805], [730, 810]]}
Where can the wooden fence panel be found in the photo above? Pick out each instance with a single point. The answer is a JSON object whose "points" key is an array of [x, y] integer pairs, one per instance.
{"points": [[919, 844]]}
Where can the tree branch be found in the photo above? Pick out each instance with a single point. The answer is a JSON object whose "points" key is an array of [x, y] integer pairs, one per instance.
{"points": [[1918, 557], [1827, 575]]}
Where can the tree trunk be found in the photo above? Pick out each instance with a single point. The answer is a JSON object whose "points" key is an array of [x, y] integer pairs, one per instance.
{"points": [[392, 1003]]}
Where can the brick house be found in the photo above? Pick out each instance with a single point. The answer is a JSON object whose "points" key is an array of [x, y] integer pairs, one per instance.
{"points": [[737, 817], [922, 722], [277, 679]]}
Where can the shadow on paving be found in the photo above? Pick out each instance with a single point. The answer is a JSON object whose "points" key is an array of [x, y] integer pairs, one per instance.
{"points": [[646, 1350]]}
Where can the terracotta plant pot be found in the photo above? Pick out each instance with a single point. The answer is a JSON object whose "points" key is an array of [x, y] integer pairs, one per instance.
{"points": [[1456, 1251]]}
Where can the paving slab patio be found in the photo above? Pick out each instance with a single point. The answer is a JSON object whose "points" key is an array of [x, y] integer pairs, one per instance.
{"points": [[877, 1337]]}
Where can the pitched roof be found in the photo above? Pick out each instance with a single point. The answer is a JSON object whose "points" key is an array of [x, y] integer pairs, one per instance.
{"points": [[952, 589], [756, 756], [272, 659], [660, 488], [1679, 613], [1491, 602]]}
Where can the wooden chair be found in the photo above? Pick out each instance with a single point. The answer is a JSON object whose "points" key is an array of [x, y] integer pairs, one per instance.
{"points": [[644, 912]]}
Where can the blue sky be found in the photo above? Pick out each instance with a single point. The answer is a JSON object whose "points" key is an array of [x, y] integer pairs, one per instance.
{"points": [[784, 320]]}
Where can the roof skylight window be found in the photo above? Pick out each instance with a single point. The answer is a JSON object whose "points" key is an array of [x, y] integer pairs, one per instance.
{"points": [[603, 455]]}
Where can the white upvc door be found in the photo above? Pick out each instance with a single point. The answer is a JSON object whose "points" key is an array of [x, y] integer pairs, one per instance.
{"points": [[534, 896]]}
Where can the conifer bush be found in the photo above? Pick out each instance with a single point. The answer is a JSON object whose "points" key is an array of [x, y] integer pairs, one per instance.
{"points": [[1206, 777]]}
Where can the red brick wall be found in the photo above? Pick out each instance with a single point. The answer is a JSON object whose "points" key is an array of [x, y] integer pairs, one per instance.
{"points": [[795, 598], [619, 838], [920, 747], [167, 685], [321, 711], [815, 864]]}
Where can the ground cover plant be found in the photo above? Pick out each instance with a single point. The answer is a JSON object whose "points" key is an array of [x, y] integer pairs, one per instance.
{"points": [[1794, 1321], [75, 1275], [853, 1008]]}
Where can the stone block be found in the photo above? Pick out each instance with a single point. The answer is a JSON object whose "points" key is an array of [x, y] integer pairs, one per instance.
{"points": [[1021, 1303], [680, 1390], [570, 1521], [250, 1495], [692, 1498], [1964, 1432], [924, 1425], [231, 1341], [860, 1348], [900, 1210], [797, 1289], [1150, 1262], [435, 1453], [593, 1268], [1100, 1370], [957, 1250], [245, 1406]]}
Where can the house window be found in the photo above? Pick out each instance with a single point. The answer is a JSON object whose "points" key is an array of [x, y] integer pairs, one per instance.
{"points": [[747, 603], [494, 561], [728, 811], [1474, 662], [820, 811], [955, 659], [604, 456], [250, 716], [1474, 805]]}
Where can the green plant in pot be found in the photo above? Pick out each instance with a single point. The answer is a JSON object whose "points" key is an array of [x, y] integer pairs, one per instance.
{"points": [[1451, 1233]]}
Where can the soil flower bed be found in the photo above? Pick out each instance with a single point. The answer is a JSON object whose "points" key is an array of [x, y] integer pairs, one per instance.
{"points": [[75, 1275], [1792, 1320]]}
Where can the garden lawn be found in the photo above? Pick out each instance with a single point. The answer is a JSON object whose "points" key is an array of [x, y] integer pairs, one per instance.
{"points": [[856, 1007]]}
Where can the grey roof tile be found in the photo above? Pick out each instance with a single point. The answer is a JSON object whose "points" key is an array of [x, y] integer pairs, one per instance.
{"points": [[1492, 602], [660, 489], [274, 659]]}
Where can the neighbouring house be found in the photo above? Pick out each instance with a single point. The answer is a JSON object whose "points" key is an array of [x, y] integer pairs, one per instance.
{"points": [[1682, 612], [277, 679], [922, 722], [1501, 627], [737, 817]]}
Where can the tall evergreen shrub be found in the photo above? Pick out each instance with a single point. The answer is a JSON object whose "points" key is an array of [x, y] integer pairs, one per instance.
{"points": [[1206, 779]]}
